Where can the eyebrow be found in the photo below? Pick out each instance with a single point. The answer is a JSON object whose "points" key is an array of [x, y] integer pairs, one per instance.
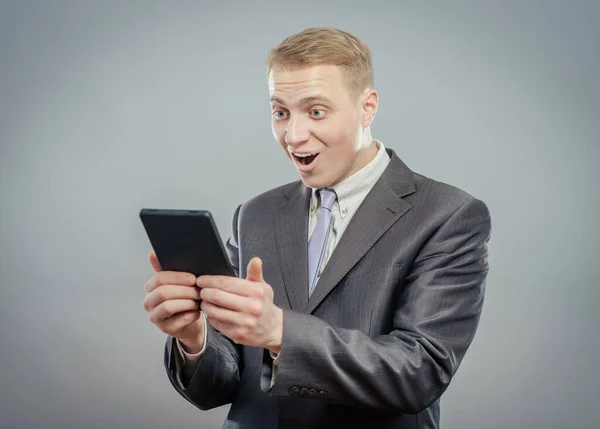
{"points": [[305, 101]]}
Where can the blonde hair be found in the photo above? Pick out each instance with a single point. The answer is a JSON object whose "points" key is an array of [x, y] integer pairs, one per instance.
{"points": [[326, 46]]}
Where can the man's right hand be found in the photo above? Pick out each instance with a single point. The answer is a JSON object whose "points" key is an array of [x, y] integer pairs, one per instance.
{"points": [[172, 304]]}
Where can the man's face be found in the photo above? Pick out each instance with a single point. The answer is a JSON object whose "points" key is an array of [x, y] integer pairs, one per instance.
{"points": [[318, 123]]}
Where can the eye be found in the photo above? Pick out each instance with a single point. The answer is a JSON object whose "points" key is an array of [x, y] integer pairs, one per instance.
{"points": [[279, 114], [317, 113]]}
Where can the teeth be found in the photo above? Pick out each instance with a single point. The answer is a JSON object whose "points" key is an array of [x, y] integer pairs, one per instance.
{"points": [[304, 155]]}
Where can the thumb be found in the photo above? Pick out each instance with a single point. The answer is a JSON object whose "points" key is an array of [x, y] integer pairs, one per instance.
{"points": [[154, 262], [255, 273]]}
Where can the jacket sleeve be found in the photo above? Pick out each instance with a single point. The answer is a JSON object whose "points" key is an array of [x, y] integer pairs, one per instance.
{"points": [[435, 320], [212, 380]]}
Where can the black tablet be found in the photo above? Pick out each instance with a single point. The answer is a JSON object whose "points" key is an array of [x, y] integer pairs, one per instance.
{"points": [[186, 240]]}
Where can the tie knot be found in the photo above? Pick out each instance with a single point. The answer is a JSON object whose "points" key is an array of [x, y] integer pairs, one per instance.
{"points": [[328, 197]]}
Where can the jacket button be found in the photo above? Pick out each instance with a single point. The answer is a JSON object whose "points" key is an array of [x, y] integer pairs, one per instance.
{"points": [[294, 390], [312, 393], [304, 391]]}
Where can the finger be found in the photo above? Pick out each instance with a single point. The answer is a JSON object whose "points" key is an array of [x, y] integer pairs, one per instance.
{"points": [[176, 323], [171, 307], [168, 292], [225, 299], [154, 262], [229, 284], [255, 273], [225, 328], [170, 277], [224, 316]]}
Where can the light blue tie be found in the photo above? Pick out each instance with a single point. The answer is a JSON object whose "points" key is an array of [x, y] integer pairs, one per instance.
{"points": [[318, 239]]}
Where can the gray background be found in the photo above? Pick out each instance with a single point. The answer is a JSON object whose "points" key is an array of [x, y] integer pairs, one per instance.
{"points": [[107, 107]]}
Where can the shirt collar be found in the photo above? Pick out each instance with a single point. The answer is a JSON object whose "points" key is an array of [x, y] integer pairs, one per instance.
{"points": [[357, 183]]}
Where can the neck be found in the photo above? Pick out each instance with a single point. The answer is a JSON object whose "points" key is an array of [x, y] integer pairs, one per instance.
{"points": [[369, 148]]}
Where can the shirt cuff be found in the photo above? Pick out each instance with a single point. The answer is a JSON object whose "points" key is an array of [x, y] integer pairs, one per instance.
{"points": [[192, 357], [274, 356]]}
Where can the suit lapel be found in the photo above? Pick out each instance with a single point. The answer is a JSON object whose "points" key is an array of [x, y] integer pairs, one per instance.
{"points": [[382, 207], [291, 232]]}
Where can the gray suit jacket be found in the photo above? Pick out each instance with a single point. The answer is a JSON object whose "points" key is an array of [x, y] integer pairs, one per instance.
{"points": [[387, 326]]}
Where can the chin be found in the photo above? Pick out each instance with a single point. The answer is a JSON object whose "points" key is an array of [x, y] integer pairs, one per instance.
{"points": [[312, 182], [316, 182]]}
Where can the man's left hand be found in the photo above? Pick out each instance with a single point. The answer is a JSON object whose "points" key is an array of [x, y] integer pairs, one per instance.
{"points": [[243, 309]]}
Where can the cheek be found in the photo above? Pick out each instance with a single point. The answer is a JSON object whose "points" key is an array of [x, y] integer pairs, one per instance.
{"points": [[278, 131], [279, 134], [343, 138]]}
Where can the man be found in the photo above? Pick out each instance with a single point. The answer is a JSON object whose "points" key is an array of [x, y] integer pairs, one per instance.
{"points": [[359, 287]]}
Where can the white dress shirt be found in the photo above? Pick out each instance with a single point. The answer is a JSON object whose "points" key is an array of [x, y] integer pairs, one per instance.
{"points": [[350, 194]]}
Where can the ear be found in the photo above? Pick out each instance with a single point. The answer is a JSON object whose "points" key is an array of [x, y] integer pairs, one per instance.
{"points": [[369, 105]]}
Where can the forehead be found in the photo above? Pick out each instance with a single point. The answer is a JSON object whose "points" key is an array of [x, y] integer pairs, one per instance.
{"points": [[291, 85]]}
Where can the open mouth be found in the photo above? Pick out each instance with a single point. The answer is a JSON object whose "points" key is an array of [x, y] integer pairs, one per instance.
{"points": [[305, 159]]}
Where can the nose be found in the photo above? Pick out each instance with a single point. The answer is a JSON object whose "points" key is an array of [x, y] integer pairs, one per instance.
{"points": [[297, 131]]}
